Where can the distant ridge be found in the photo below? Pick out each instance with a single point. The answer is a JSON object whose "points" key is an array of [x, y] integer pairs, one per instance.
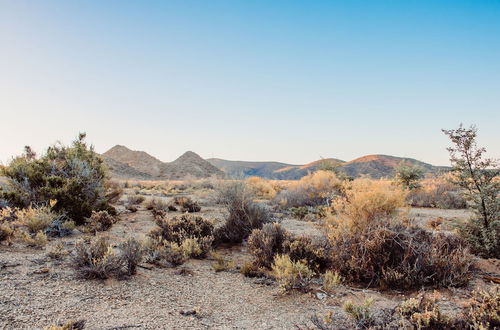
{"points": [[126, 163], [374, 166]]}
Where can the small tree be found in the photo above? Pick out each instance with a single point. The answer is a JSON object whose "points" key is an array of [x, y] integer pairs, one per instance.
{"points": [[478, 176], [409, 175]]}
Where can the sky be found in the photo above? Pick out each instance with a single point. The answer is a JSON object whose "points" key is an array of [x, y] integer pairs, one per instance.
{"points": [[290, 81]]}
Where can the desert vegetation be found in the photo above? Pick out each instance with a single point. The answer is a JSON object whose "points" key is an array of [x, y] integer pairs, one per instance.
{"points": [[347, 248]]}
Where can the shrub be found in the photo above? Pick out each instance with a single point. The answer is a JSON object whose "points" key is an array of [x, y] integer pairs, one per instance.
{"points": [[315, 189], [267, 242], [7, 218], [290, 274], [437, 192], [36, 219], [97, 260], [477, 176], [423, 313], [264, 244], [261, 187], [131, 254], [71, 325], [187, 204], [250, 269], [178, 229], [36, 240], [75, 176], [156, 204], [135, 199], [100, 221], [361, 313], [197, 247], [484, 310], [244, 214], [57, 251], [331, 280], [157, 251], [374, 247], [60, 227], [221, 264]]}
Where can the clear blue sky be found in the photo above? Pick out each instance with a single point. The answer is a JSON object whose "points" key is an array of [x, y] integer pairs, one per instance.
{"points": [[289, 81]]}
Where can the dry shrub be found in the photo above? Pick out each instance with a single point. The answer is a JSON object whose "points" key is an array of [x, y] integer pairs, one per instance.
{"points": [[424, 313], [221, 264], [156, 204], [262, 188], [250, 269], [290, 274], [435, 224], [244, 214], [187, 204], [315, 189], [264, 244], [484, 309], [60, 227], [57, 251], [437, 192], [191, 235], [98, 259], [178, 229], [35, 219], [131, 253], [135, 199], [361, 313], [36, 240], [158, 252], [331, 280], [7, 218], [99, 221], [71, 325], [373, 246]]}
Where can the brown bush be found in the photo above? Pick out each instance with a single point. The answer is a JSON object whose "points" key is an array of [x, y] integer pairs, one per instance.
{"points": [[315, 189], [371, 245], [156, 204], [437, 192], [178, 229], [265, 243], [158, 251], [187, 204], [131, 253], [97, 260], [262, 188], [100, 221], [135, 199], [244, 214], [484, 309]]}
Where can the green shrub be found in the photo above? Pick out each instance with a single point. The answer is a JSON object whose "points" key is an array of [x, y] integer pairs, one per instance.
{"points": [[74, 176]]}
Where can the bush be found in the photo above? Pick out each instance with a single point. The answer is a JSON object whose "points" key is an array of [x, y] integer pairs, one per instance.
{"points": [[290, 274], [98, 259], [60, 227], [135, 199], [7, 218], [423, 313], [36, 219], [484, 310], [372, 246], [437, 192], [244, 214], [261, 187], [74, 176], [187, 204], [154, 204], [220, 263], [197, 247], [178, 229], [264, 244], [100, 221], [331, 280], [361, 313], [250, 269], [71, 325], [157, 251], [314, 189], [409, 175], [36, 240]]}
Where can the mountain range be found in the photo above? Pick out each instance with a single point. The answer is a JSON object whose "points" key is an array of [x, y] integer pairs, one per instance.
{"points": [[129, 164]]}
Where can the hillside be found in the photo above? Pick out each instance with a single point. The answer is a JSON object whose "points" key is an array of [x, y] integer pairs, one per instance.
{"points": [[380, 166], [126, 163], [375, 166]]}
